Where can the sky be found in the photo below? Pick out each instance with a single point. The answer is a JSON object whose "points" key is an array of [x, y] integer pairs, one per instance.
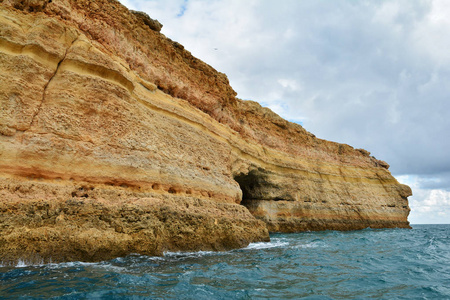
{"points": [[371, 74]]}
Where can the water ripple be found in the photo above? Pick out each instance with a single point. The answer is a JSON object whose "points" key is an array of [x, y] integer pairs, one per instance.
{"points": [[367, 264]]}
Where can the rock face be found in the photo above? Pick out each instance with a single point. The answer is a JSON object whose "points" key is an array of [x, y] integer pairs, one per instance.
{"points": [[116, 140]]}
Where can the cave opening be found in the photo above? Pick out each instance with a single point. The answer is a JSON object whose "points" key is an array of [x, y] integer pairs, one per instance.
{"points": [[252, 185], [261, 185]]}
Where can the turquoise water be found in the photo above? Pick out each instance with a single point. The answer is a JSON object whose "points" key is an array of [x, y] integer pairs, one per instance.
{"points": [[367, 264]]}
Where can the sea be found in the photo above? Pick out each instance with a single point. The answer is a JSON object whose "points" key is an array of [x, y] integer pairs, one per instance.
{"points": [[365, 264]]}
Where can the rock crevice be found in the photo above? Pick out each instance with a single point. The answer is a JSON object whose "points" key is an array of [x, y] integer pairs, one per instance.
{"points": [[58, 65]]}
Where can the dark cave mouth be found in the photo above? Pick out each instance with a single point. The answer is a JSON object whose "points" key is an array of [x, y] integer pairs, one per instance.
{"points": [[254, 186], [246, 183], [261, 185]]}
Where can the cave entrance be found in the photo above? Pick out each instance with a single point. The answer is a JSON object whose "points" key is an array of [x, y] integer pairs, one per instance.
{"points": [[259, 184], [253, 186]]}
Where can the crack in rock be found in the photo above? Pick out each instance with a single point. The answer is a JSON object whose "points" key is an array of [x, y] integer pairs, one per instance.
{"points": [[38, 110]]}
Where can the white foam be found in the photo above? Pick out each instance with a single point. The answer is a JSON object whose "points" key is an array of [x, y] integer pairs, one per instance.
{"points": [[21, 264], [24, 263], [189, 254], [266, 245], [71, 264]]}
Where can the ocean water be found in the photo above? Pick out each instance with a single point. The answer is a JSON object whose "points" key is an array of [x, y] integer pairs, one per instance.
{"points": [[366, 264]]}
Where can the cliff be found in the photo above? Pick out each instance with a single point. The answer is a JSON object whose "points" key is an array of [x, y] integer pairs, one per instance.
{"points": [[116, 140]]}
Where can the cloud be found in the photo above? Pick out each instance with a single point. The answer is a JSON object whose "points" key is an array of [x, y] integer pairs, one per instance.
{"points": [[435, 181], [372, 74], [428, 206]]}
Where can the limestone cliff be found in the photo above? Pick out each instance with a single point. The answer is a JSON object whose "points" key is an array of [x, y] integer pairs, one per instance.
{"points": [[115, 139]]}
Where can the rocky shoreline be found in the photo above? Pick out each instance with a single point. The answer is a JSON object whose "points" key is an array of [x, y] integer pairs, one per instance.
{"points": [[116, 140]]}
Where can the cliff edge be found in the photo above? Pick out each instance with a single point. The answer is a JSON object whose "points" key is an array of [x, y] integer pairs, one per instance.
{"points": [[116, 140]]}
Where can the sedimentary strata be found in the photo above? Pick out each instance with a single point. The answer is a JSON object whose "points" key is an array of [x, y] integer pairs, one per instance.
{"points": [[116, 140]]}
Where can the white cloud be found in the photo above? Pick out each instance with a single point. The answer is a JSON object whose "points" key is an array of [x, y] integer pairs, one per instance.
{"points": [[290, 84], [372, 74], [428, 206], [430, 36]]}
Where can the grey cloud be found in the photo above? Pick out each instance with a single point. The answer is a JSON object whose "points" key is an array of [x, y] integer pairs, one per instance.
{"points": [[436, 181]]}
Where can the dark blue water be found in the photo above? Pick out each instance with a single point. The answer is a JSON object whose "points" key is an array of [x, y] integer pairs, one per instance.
{"points": [[367, 264]]}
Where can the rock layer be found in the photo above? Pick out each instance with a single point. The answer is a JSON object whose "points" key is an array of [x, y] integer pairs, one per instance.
{"points": [[115, 139]]}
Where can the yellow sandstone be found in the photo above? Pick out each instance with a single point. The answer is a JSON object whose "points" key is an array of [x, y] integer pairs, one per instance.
{"points": [[116, 140]]}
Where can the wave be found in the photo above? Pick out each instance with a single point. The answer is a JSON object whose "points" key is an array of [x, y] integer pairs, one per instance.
{"points": [[181, 254], [23, 263], [267, 245]]}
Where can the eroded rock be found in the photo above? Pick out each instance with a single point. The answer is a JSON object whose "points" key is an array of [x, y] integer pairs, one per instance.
{"points": [[28, 5], [116, 140], [151, 23]]}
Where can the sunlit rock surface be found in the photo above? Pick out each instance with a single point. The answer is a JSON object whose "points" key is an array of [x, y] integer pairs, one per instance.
{"points": [[116, 140]]}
